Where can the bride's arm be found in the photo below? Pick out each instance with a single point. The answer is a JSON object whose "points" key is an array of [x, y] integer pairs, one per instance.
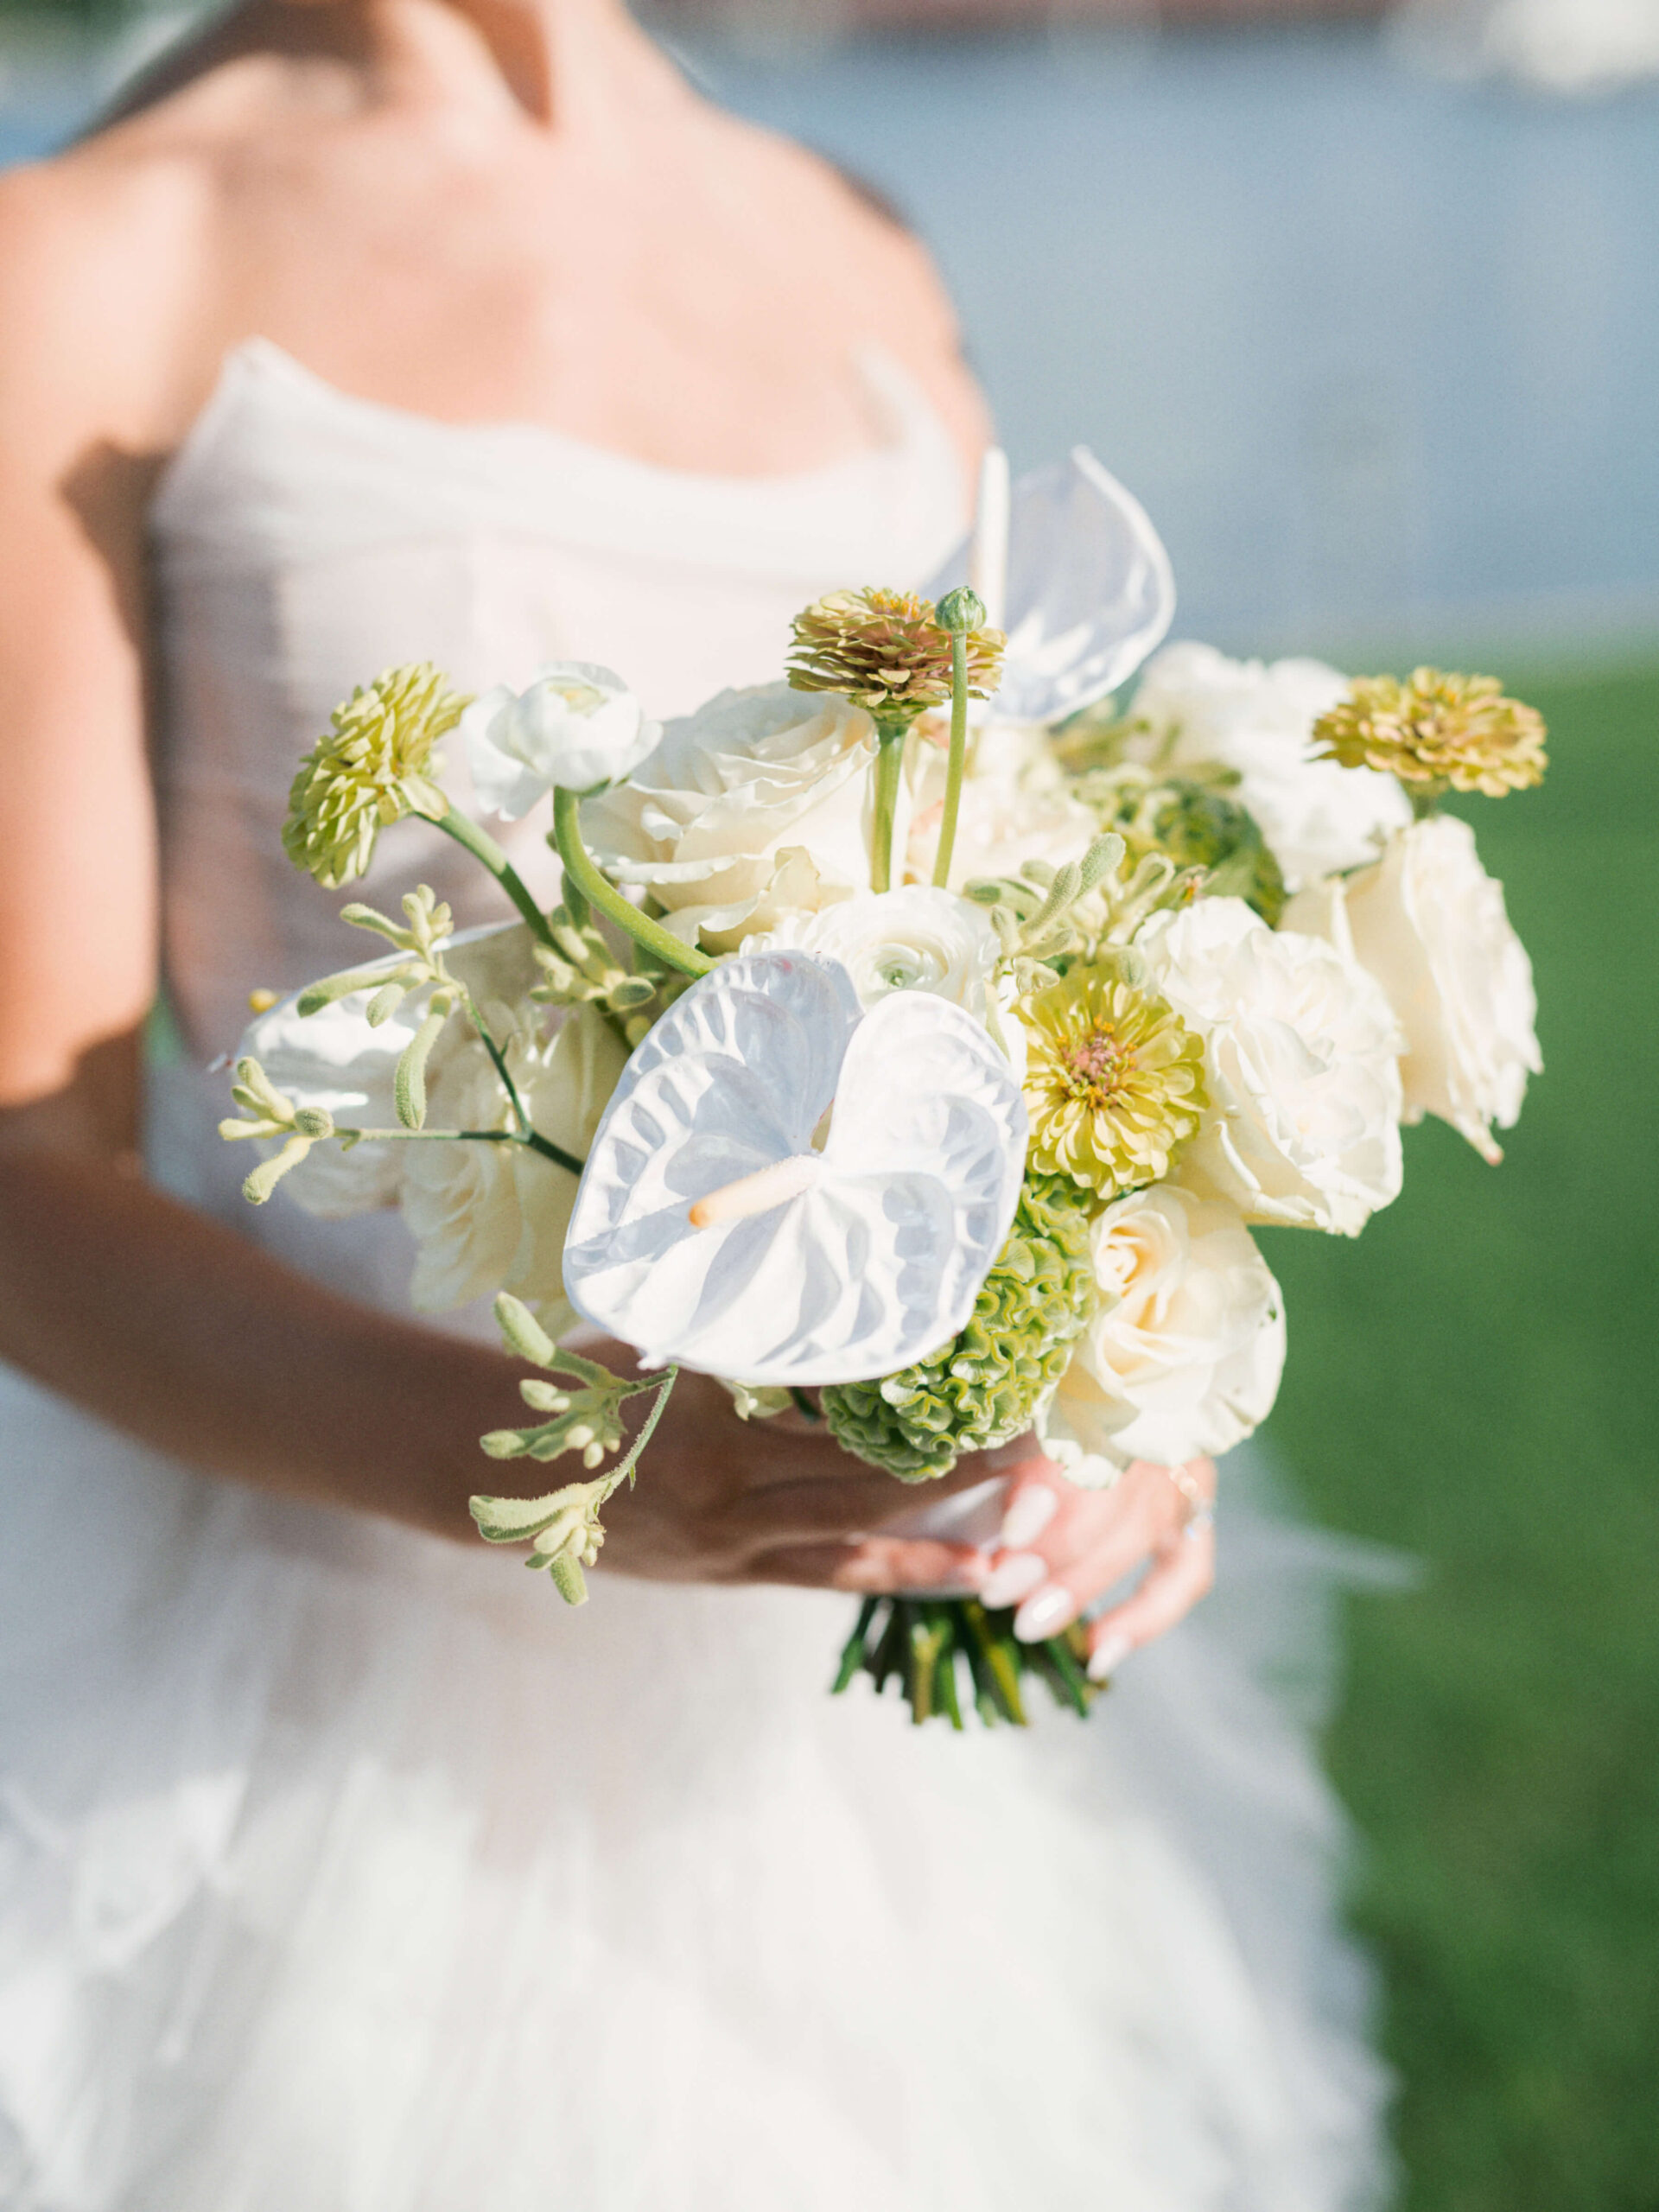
{"points": [[142, 1310]]}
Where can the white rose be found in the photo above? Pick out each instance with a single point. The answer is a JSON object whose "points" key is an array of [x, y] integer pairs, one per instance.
{"points": [[1429, 923], [1184, 1356], [760, 801], [1016, 806], [915, 939], [1317, 816], [1300, 1062], [494, 1217], [334, 1060], [575, 725]]}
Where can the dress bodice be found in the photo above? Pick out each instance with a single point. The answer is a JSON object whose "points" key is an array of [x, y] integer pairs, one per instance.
{"points": [[303, 539]]}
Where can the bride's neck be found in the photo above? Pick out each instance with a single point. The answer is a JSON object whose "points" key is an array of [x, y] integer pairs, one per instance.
{"points": [[575, 65]]}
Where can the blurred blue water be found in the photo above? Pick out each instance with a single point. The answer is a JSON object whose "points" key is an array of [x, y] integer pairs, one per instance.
{"points": [[1380, 353]]}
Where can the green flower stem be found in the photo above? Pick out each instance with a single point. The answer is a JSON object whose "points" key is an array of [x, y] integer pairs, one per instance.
{"points": [[957, 761], [1425, 797], [624, 1469], [891, 730], [854, 1653], [531, 1138], [581, 870], [499, 1060], [483, 846]]}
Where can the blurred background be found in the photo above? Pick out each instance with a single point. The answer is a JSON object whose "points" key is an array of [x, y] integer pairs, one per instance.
{"points": [[1364, 305]]}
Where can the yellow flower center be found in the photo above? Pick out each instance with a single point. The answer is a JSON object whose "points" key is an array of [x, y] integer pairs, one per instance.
{"points": [[1098, 1068]]}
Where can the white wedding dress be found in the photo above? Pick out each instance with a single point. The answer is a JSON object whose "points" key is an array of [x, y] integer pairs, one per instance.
{"points": [[344, 1870]]}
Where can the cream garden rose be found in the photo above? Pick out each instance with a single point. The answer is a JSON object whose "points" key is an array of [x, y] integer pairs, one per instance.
{"points": [[1300, 1065], [915, 939], [487, 1217], [1430, 925], [1184, 1355], [758, 802], [1257, 718]]}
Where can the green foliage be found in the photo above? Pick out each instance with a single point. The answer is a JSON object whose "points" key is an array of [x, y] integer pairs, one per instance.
{"points": [[980, 1389], [1476, 1382], [1195, 822]]}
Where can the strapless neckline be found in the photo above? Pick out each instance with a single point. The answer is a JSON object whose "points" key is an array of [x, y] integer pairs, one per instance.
{"points": [[258, 369]]}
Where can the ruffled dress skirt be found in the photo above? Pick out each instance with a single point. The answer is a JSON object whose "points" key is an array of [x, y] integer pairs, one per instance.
{"points": [[343, 1869]]}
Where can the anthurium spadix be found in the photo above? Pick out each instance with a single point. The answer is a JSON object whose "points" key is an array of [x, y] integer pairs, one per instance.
{"points": [[1088, 588], [786, 1190]]}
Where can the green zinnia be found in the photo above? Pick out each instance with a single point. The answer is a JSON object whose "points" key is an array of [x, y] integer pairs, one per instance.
{"points": [[368, 770], [1114, 1082]]}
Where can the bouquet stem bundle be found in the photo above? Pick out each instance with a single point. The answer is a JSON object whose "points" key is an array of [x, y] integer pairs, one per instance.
{"points": [[924, 1644]]}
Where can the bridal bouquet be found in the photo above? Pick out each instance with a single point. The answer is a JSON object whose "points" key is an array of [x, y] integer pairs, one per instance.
{"points": [[918, 1038]]}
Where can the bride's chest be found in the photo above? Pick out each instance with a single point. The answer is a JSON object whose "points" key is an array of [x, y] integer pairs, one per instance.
{"points": [[663, 318]]}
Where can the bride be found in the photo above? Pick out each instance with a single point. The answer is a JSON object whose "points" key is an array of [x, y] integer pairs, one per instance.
{"points": [[340, 1869]]}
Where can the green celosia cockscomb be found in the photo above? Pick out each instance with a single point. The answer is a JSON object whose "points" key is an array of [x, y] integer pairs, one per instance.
{"points": [[983, 1387], [369, 770]]}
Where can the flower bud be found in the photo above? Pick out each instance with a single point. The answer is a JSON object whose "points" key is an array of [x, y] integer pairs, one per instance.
{"points": [[962, 609]]}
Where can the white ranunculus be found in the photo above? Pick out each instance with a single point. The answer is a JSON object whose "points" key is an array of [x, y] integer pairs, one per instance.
{"points": [[1016, 805], [1317, 816], [488, 1217], [334, 1060], [1300, 1063], [917, 939], [574, 724], [760, 801], [1184, 1356], [1429, 923]]}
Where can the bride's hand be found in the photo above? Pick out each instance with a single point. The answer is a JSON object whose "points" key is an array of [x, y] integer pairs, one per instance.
{"points": [[721, 1500], [1062, 1547]]}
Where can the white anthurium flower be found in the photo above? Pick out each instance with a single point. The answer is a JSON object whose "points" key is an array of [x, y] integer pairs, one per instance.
{"points": [[760, 801], [334, 1060], [1183, 1355], [1429, 923], [1300, 1062], [729, 1220], [487, 1217], [1089, 590], [575, 725], [1198, 707], [917, 939]]}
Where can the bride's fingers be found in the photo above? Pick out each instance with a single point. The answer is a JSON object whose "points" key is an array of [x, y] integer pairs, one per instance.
{"points": [[1087, 1538], [1181, 1573], [874, 1566], [1090, 1546]]}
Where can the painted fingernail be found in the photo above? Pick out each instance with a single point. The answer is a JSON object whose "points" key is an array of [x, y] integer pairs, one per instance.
{"points": [[1027, 1517], [1107, 1656], [1015, 1578], [1046, 1614]]}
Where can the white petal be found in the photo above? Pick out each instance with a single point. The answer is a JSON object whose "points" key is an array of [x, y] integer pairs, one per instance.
{"points": [[873, 1265], [1090, 591]]}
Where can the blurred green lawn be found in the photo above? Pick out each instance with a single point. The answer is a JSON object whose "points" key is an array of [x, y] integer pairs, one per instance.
{"points": [[1478, 1381]]}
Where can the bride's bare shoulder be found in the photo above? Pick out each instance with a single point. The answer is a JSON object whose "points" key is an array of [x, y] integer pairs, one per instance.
{"points": [[110, 250], [102, 256]]}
